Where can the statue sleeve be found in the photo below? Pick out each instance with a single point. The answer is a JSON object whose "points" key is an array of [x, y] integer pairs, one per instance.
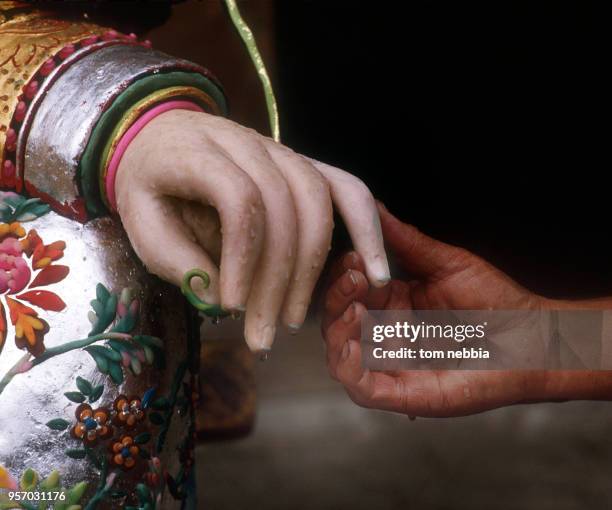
{"points": [[69, 91]]}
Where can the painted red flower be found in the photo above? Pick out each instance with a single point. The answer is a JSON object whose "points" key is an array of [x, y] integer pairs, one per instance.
{"points": [[26, 264]]}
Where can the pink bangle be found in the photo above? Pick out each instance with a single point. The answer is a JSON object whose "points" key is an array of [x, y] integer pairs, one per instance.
{"points": [[131, 133]]}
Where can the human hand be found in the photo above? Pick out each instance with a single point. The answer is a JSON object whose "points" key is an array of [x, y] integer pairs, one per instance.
{"points": [[445, 277], [198, 191]]}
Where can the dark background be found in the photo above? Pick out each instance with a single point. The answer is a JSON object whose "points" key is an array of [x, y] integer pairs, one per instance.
{"points": [[481, 123]]}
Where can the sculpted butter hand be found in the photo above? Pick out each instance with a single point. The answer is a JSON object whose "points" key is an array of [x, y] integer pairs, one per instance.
{"points": [[273, 207]]}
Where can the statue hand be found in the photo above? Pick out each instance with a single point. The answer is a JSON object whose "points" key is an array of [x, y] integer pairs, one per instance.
{"points": [[198, 191]]}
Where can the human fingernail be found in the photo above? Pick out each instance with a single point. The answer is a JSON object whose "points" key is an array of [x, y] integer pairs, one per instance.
{"points": [[349, 314], [348, 283], [351, 260], [346, 350]]}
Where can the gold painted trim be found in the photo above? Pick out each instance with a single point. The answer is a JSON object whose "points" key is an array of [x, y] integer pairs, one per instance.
{"points": [[26, 43]]}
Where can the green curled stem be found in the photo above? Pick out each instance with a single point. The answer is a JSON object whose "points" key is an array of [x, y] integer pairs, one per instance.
{"points": [[194, 300]]}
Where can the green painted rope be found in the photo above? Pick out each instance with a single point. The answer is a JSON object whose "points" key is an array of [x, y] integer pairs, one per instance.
{"points": [[247, 37], [194, 300]]}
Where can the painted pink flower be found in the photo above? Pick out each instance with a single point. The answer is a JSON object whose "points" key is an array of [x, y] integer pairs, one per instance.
{"points": [[15, 272], [23, 255]]}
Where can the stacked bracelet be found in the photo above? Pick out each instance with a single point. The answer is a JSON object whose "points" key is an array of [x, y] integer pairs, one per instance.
{"points": [[80, 111], [189, 98], [129, 135]]}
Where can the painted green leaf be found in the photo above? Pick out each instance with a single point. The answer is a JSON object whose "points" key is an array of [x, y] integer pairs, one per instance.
{"points": [[126, 323], [102, 293], [18, 208], [120, 345], [116, 372], [144, 454], [96, 393], [103, 356], [135, 366], [143, 438], [161, 403], [51, 482], [156, 418], [102, 363], [75, 396], [110, 308], [75, 507], [143, 493], [149, 354], [58, 424], [29, 480], [75, 494], [76, 453], [151, 341], [105, 309], [32, 211], [60, 503], [13, 199], [103, 351], [97, 306], [84, 386]]}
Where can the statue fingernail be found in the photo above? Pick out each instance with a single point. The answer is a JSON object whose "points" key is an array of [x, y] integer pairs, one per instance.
{"points": [[263, 354], [266, 336], [294, 329], [348, 283], [349, 314]]}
